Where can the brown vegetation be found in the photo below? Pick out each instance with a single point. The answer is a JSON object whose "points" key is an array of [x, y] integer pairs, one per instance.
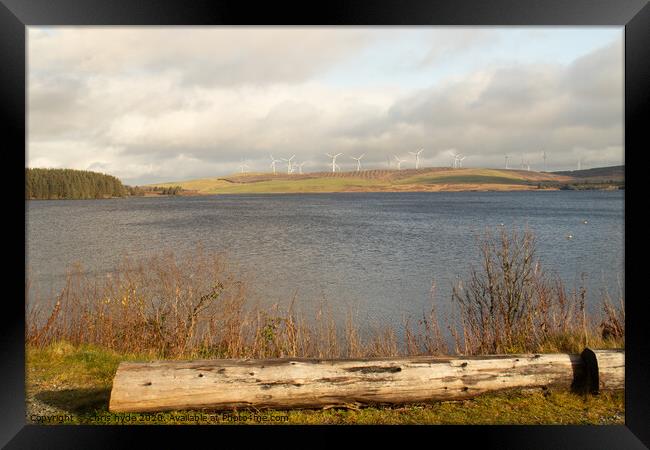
{"points": [[193, 306], [510, 304]]}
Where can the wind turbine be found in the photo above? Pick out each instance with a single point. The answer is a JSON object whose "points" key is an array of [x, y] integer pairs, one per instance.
{"points": [[242, 165], [544, 157], [455, 155], [399, 162], [460, 160], [417, 157], [507, 157], [358, 160], [300, 167], [273, 161], [334, 166], [288, 161], [579, 163]]}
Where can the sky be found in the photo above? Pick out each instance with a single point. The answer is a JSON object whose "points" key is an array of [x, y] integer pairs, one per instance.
{"points": [[156, 104]]}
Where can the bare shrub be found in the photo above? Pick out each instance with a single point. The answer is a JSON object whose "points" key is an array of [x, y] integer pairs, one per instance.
{"points": [[509, 304]]}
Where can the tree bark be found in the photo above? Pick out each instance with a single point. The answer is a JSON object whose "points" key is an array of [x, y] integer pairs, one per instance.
{"points": [[312, 383]]}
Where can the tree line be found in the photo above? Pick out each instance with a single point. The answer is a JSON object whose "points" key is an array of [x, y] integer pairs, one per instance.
{"points": [[171, 190], [71, 184], [140, 191]]}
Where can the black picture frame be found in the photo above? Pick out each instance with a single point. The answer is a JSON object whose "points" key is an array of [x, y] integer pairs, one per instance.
{"points": [[634, 15]]}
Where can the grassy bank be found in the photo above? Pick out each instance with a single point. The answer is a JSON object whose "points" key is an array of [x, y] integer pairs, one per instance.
{"points": [[71, 385]]}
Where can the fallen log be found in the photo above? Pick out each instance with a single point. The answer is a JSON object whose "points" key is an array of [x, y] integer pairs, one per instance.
{"points": [[312, 383]]}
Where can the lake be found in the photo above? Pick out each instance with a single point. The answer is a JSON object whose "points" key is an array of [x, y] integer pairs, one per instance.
{"points": [[373, 253]]}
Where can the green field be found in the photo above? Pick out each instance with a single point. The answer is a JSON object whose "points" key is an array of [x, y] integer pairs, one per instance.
{"points": [[220, 186], [464, 179], [431, 179]]}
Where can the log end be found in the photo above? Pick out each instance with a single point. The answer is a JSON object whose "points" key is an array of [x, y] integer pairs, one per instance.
{"points": [[603, 369]]}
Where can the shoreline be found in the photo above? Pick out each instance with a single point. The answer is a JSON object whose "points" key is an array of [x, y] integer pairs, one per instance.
{"points": [[446, 189], [391, 190]]}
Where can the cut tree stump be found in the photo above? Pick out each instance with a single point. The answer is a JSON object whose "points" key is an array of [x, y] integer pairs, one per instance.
{"points": [[314, 383]]}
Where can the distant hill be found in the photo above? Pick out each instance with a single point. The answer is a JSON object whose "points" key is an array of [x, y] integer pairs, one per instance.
{"points": [[377, 180], [48, 184], [603, 174]]}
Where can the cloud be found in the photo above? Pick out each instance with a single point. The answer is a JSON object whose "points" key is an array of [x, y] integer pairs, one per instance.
{"points": [[203, 56], [525, 107], [156, 105]]}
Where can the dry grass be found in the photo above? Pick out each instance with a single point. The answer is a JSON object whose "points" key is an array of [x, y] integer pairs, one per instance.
{"points": [[187, 306], [511, 305]]}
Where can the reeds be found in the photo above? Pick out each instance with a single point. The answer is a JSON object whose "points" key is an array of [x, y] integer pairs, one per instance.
{"points": [[192, 305], [188, 306]]}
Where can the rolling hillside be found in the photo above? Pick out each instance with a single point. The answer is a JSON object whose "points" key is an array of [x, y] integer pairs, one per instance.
{"points": [[427, 179], [598, 174]]}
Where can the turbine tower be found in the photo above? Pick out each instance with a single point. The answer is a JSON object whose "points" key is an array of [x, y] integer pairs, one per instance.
{"points": [[289, 166], [507, 157], [579, 163], [299, 166], [334, 166], [399, 162], [544, 157], [243, 165], [455, 155], [273, 161], [460, 160], [417, 157], [358, 160]]}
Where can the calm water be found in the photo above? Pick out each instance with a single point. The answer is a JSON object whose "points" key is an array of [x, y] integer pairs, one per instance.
{"points": [[376, 253]]}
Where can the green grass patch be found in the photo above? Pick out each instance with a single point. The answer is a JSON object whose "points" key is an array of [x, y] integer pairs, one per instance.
{"points": [[71, 385], [325, 184], [463, 179], [462, 176], [306, 185]]}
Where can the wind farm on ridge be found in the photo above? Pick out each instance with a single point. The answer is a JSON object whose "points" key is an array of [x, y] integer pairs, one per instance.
{"points": [[401, 174]]}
